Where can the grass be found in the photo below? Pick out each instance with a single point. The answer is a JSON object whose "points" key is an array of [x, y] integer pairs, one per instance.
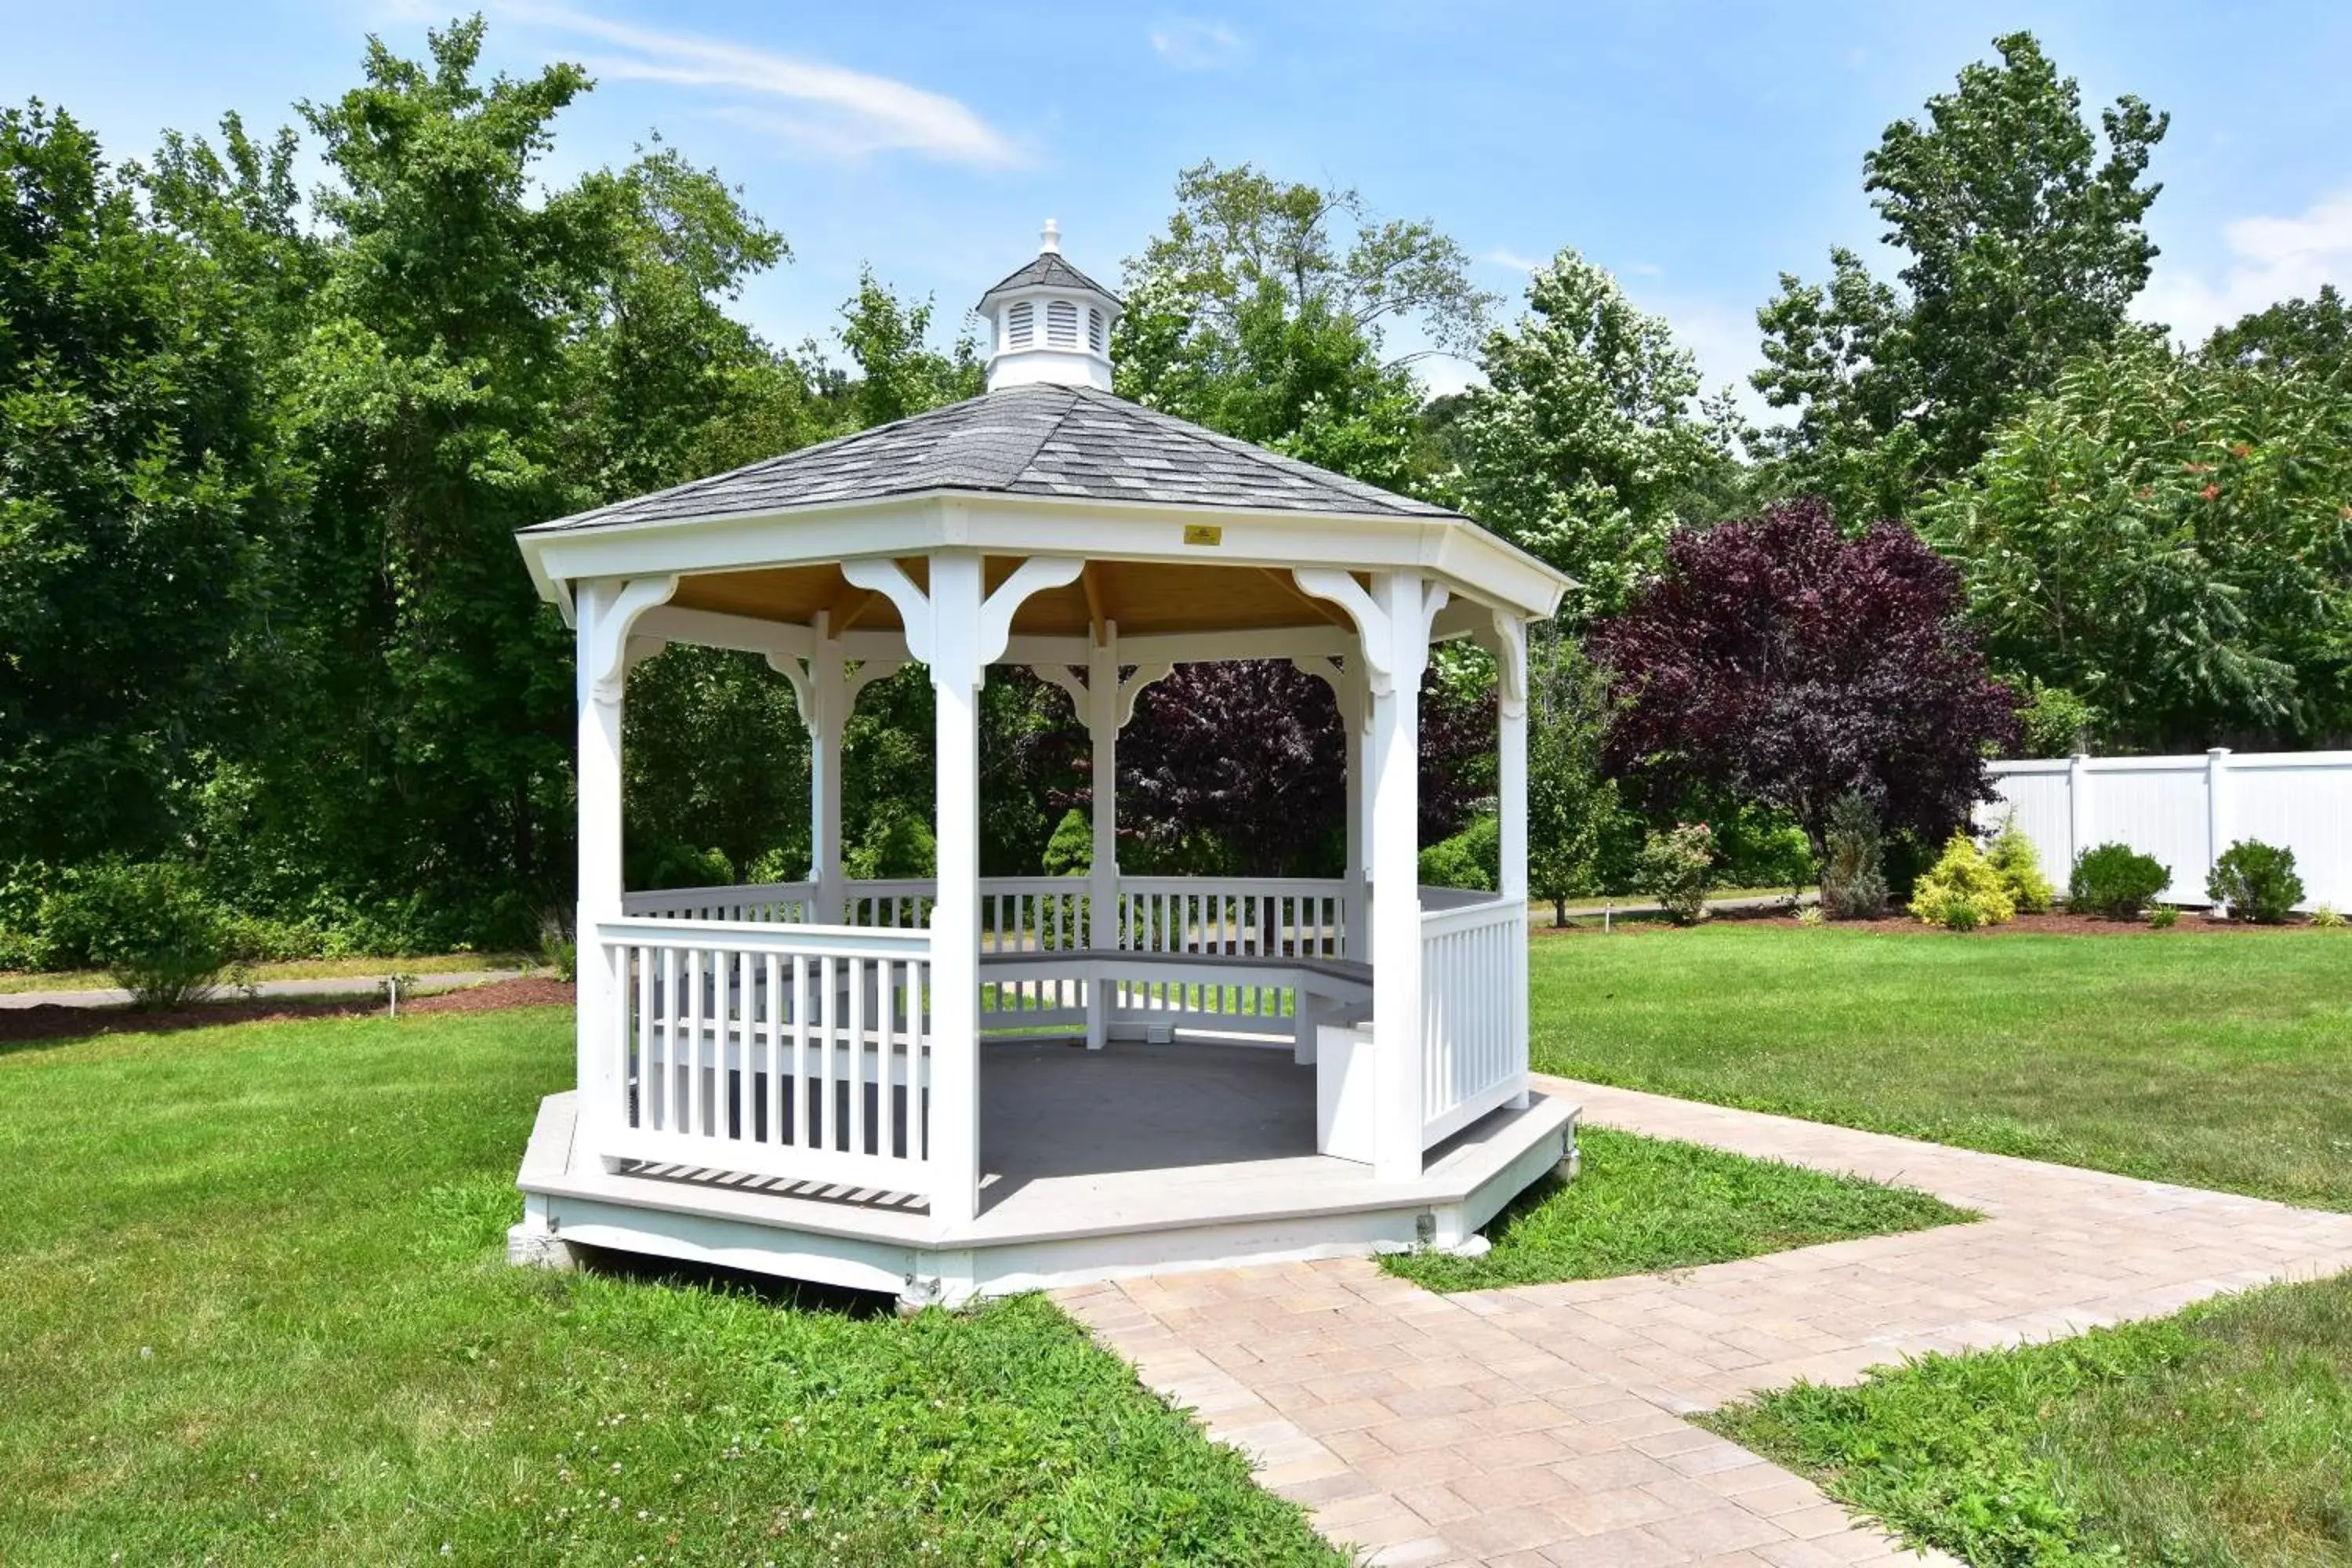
{"points": [[256, 1312], [2219, 1437], [1641, 1205], [15, 982], [2220, 1061]]}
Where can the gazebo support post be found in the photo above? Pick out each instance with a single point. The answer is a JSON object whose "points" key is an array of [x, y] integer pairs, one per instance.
{"points": [[1102, 736], [1355, 717], [954, 656], [1509, 644], [825, 706], [602, 612], [1102, 866], [1396, 648]]}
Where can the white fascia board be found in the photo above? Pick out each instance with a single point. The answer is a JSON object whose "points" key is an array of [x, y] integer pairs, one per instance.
{"points": [[1478, 562], [899, 526]]}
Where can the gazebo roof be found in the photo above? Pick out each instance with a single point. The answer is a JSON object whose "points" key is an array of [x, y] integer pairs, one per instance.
{"points": [[1048, 271], [1039, 439]]}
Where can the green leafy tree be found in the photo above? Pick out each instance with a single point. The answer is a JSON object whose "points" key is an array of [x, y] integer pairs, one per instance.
{"points": [[2295, 337], [484, 352], [1583, 441], [139, 473], [2171, 541], [2021, 229], [1264, 310], [899, 372], [1571, 805]]}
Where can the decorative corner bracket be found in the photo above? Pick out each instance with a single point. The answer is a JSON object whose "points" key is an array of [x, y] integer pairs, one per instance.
{"points": [[608, 632], [1375, 632]]}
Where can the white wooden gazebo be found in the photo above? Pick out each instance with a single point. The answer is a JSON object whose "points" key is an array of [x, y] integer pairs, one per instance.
{"points": [[880, 1084]]}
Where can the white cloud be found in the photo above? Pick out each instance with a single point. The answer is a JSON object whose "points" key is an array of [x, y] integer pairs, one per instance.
{"points": [[2271, 259], [1191, 45], [1514, 260], [835, 110]]}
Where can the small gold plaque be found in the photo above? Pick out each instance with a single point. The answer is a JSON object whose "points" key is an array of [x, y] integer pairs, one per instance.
{"points": [[1204, 534]]}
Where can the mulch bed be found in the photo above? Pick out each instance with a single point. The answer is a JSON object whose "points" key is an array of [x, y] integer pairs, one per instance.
{"points": [[34, 1025], [522, 991]]}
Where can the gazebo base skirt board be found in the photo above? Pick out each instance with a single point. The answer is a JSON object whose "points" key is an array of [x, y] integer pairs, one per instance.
{"points": [[1193, 1156]]}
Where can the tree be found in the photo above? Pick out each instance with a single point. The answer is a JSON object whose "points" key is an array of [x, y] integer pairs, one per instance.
{"points": [[1238, 234], [1569, 802], [899, 372], [2024, 244], [139, 473], [1237, 766], [1583, 441], [482, 352], [1262, 311], [2310, 338], [2168, 538], [1779, 663]]}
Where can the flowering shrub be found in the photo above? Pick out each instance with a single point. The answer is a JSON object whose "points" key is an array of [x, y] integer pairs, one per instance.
{"points": [[1677, 869]]}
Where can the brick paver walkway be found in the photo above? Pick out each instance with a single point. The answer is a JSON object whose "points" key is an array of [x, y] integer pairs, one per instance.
{"points": [[1542, 1425]]}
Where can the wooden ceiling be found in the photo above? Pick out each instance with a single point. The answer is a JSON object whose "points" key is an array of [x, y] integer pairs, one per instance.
{"points": [[1143, 597]]}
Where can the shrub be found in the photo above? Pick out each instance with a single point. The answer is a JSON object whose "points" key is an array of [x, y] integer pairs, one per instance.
{"points": [[2327, 918], [1854, 862], [1962, 891], [2256, 881], [1471, 858], [1677, 869], [896, 843], [2018, 866], [1070, 852], [1812, 915], [149, 926], [2116, 880], [2164, 917], [558, 949]]}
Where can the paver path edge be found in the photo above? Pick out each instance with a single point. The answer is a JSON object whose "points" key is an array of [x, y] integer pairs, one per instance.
{"points": [[1544, 1423]]}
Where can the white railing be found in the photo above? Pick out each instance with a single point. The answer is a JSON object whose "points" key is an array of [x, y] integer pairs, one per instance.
{"points": [[1295, 917], [1030, 914], [901, 903], [793, 1051], [768, 903], [1473, 1021], [2185, 811]]}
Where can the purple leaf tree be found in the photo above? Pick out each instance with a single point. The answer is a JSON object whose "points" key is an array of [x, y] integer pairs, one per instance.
{"points": [[1777, 662]]}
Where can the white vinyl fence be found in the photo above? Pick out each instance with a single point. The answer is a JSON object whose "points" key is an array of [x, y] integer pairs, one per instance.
{"points": [[2186, 810]]}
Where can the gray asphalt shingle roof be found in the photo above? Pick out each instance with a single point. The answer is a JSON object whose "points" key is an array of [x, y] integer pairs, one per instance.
{"points": [[1035, 440], [1048, 271]]}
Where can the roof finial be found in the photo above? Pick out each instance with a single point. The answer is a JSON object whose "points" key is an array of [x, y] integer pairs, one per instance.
{"points": [[1050, 240]]}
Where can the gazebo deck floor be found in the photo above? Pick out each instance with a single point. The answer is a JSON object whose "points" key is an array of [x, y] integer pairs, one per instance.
{"points": [[1135, 1158]]}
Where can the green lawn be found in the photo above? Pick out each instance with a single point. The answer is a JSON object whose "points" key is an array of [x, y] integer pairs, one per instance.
{"points": [[253, 1310], [2220, 1438], [2220, 1060], [1641, 1205]]}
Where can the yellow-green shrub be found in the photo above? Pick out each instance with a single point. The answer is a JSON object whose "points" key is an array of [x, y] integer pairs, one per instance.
{"points": [[2018, 864], [1962, 890]]}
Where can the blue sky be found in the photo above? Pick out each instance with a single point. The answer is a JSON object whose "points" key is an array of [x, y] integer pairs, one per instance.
{"points": [[1696, 151]]}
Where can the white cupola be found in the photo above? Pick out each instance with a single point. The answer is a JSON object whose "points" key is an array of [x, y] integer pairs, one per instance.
{"points": [[1052, 323]]}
